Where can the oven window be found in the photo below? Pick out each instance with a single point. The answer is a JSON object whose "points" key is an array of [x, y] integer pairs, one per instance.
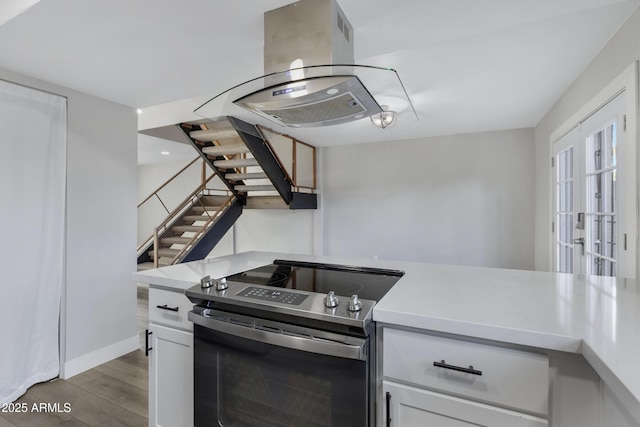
{"points": [[239, 382]]}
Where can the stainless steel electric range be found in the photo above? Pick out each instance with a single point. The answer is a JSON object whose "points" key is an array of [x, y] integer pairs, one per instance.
{"points": [[287, 344]]}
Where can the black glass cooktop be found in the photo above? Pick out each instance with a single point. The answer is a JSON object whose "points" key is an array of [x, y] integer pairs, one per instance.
{"points": [[367, 283]]}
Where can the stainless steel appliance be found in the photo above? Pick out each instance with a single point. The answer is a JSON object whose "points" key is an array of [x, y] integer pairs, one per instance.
{"points": [[287, 344]]}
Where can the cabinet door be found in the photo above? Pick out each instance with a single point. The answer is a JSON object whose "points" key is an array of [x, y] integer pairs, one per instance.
{"points": [[414, 407], [170, 377]]}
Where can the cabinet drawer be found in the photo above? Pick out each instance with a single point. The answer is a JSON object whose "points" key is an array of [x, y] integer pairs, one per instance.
{"points": [[413, 407], [510, 378], [169, 308]]}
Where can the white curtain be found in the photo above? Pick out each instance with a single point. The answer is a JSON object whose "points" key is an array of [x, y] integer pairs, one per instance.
{"points": [[33, 135]]}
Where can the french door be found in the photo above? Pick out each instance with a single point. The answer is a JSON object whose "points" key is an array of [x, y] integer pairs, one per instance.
{"points": [[594, 180]]}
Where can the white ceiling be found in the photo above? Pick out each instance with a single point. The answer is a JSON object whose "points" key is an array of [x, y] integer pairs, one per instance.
{"points": [[468, 65]]}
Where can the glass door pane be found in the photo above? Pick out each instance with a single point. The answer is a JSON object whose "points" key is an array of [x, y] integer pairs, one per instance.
{"points": [[564, 211], [595, 199], [567, 172], [601, 210]]}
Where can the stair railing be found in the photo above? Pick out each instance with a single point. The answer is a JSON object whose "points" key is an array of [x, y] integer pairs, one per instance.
{"points": [[167, 182], [197, 236], [166, 210], [296, 158], [189, 201]]}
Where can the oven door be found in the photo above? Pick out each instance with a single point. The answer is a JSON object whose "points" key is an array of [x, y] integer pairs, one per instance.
{"points": [[252, 372]]}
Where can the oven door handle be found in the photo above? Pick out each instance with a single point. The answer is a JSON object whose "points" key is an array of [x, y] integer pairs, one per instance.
{"points": [[350, 348]]}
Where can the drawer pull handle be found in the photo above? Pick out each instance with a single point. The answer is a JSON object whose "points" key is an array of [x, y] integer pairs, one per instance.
{"points": [[388, 409], [166, 307], [469, 370]]}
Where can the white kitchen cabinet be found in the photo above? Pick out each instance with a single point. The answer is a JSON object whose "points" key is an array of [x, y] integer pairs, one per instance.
{"points": [[170, 377], [169, 308], [170, 360], [436, 380], [416, 407]]}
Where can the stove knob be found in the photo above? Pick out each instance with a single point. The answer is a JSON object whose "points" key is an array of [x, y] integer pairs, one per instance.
{"points": [[331, 300], [354, 304], [221, 284], [206, 282]]}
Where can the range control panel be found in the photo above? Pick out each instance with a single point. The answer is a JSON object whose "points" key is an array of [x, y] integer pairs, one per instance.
{"points": [[274, 295]]}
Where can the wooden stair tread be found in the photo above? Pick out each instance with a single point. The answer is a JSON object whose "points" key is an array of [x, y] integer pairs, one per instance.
{"points": [[193, 218], [235, 163], [226, 150], [145, 266], [267, 187], [176, 240], [243, 176], [214, 134], [165, 252], [265, 202], [187, 228]]}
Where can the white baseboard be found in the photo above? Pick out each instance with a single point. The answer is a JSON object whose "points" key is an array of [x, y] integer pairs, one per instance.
{"points": [[98, 357]]}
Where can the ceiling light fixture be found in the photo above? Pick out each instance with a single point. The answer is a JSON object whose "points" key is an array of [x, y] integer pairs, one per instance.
{"points": [[165, 153], [384, 119]]}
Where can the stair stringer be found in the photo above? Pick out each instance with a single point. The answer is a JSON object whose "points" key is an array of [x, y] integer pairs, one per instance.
{"points": [[262, 153], [215, 233], [143, 254]]}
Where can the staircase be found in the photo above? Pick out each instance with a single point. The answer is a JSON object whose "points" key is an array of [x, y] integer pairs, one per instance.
{"points": [[239, 153], [222, 145], [191, 234], [245, 162]]}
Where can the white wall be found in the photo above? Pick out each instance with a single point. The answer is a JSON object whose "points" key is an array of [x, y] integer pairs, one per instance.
{"points": [[99, 302], [461, 199], [275, 230], [270, 230], [151, 176], [618, 54]]}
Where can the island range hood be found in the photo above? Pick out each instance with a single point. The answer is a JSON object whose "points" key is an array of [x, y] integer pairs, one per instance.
{"points": [[310, 79], [302, 34]]}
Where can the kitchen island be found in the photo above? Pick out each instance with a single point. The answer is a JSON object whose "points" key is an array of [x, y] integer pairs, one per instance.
{"points": [[593, 319]]}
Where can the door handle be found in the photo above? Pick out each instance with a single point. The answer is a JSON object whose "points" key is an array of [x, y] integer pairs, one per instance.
{"points": [[147, 349], [579, 241]]}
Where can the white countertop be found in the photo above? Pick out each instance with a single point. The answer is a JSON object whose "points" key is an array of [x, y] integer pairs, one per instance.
{"points": [[597, 317]]}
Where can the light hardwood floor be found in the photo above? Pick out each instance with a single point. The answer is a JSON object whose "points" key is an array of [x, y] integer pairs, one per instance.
{"points": [[111, 395]]}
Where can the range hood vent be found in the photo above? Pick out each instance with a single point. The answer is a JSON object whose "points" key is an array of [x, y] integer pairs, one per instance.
{"points": [[310, 79], [315, 102]]}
